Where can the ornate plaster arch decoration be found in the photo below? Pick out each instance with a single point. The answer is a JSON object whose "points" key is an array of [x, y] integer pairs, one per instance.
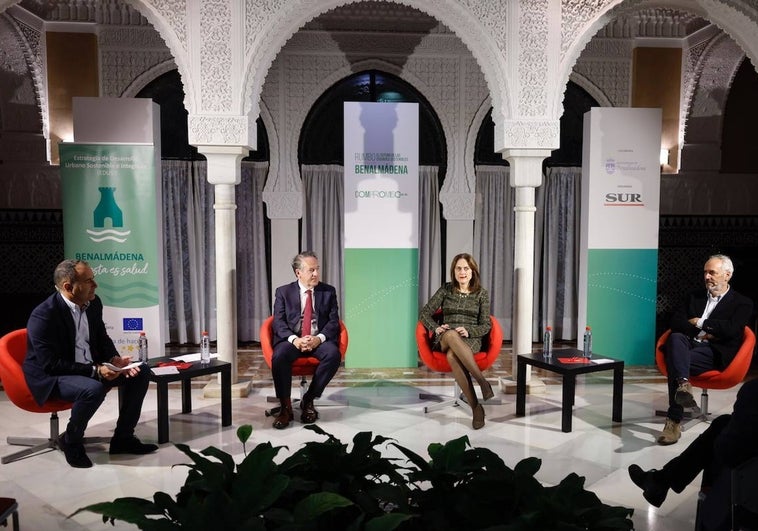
{"points": [[707, 88], [593, 90], [5, 4], [480, 24], [283, 201], [348, 70], [169, 19], [148, 76], [23, 55], [586, 17]]}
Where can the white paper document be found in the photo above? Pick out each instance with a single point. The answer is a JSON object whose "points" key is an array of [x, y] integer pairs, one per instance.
{"points": [[191, 357], [124, 368], [171, 369]]}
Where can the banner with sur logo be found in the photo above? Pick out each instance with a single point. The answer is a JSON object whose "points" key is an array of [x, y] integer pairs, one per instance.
{"points": [[618, 266], [110, 219]]}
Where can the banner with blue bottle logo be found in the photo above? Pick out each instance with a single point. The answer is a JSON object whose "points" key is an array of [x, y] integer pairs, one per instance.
{"points": [[111, 220]]}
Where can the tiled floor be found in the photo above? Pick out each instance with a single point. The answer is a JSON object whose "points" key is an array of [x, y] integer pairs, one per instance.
{"points": [[385, 402]]}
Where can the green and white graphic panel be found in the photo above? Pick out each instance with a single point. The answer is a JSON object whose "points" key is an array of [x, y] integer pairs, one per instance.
{"points": [[381, 233], [619, 232], [110, 219]]}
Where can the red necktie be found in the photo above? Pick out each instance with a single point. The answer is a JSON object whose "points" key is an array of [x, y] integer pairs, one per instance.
{"points": [[307, 314]]}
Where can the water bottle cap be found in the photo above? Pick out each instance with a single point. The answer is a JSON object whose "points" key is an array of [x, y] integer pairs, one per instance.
{"points": [[548, 328], [205, 333], [142, 333], [587, 328]]}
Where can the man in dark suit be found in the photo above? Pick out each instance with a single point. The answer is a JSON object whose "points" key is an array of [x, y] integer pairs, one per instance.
{"points": [[306, 323], [729, 441], [706, 333], [66, 347]]}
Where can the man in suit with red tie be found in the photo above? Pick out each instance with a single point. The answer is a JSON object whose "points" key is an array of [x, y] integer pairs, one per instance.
{"points": [[306, 323]]}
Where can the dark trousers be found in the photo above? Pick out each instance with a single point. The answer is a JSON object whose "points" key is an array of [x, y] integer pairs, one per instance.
{"points": [[87, 394], [285, 353], [684, 358], [697, 457]]}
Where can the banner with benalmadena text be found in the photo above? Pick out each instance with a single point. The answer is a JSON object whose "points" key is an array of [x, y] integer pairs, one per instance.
{"points": [[110, 219], [381, 233], [618, 266]]}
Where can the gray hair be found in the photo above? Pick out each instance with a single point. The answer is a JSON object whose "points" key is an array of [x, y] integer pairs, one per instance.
{"points": [[297, 262], [66, 272], [726, 262]]}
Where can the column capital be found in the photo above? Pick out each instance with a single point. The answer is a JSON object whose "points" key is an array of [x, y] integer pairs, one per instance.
{"points": [[526, 166], [223, 162]]}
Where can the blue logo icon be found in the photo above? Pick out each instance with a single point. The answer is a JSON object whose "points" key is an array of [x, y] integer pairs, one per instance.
{"points": [[132, 324]]}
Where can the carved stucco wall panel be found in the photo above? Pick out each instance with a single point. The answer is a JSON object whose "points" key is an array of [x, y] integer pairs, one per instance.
{"points": [[440, 67], [711, 78], [21, 122], [607, 63]]}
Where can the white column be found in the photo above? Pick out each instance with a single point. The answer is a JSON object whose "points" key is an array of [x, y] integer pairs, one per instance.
{"points": [[224, 175], [525, 176]]}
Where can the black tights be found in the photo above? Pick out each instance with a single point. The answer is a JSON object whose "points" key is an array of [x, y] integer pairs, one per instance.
{"points": [[461, 360]]}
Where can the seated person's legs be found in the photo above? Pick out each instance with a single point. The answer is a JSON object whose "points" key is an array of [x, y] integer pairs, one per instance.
{"points": [[682, 469], [86, 394], [329, 358], [683, 358], [134, 390], [281, 369]]}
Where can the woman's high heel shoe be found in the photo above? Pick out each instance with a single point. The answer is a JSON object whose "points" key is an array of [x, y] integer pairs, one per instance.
{"points": [[487, 391], [478, 420]]}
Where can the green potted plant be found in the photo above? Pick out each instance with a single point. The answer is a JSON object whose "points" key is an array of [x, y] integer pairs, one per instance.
{"points": [[327, 485]]}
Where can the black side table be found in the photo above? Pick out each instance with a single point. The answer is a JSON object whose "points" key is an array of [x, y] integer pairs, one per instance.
{"points": [[185, 376], [569, 371]]}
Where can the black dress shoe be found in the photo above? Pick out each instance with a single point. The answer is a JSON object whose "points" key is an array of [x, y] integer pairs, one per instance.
{"points": [[284, 418], [131, 445], [75, 454], [653, 489], [309, 414]]}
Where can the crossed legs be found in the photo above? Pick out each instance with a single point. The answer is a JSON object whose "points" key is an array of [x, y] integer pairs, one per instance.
{"points": [[464, 367]]}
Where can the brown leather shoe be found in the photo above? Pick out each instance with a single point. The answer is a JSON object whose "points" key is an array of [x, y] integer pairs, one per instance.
{"points": [[309, 414], [285, 414]]}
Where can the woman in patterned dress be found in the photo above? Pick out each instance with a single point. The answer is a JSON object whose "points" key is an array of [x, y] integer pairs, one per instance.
{"points": [[458, 330]]}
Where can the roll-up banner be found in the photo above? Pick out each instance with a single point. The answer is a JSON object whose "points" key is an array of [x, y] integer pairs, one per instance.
{"points": [[618, 268], [110, 219], [381, 233]]}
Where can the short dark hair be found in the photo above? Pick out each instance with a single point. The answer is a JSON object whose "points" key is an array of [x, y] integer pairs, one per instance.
{"points": [[297, 262], [66, 271]]}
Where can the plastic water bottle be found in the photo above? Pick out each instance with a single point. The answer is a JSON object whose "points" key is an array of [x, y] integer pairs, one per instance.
{"points": [[547, 343], [205, 349], [587, 342], [142, 347]]}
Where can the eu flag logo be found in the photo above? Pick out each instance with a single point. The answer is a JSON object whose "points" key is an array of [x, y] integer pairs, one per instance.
{"points": [[132, 324]]}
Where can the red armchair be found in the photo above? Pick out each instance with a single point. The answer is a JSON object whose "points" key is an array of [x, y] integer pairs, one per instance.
{"points": [[12, 354], [437, 361], [732, 375], [302, 367]]}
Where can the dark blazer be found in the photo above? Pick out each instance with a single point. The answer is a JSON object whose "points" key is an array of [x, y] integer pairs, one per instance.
{"points": [[51, 340], [287, 312], [726, 322]]}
